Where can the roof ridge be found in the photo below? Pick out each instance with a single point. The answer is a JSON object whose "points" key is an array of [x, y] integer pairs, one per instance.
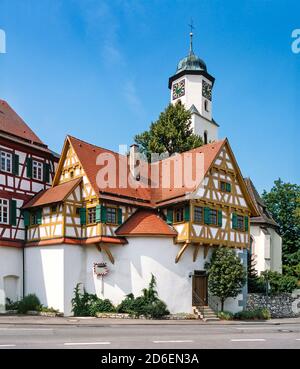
{"points": [[90, 144]]}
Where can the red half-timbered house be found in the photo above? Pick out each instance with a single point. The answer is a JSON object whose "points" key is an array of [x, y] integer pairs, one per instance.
{"points": [[27, 166]]}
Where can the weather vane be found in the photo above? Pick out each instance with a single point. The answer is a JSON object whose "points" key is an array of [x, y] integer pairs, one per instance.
{"points": [[191, 25]]}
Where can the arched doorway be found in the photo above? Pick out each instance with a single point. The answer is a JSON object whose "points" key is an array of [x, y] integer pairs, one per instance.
{"points": [[11, 287]]}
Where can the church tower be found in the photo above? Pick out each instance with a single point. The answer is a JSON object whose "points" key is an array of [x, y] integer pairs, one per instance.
{"points": [[192, 86]]}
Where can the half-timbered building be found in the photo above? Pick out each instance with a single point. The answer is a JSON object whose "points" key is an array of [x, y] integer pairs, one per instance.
{"points": [[27, 166], [135, 230], [110, 220]]}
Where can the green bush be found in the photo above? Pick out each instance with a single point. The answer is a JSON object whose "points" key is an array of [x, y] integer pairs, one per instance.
{"points": [[225, 315], [12, 305], [82, 301], [45, 309], [256, 285], [87, 304], [155, 310], [29, 303], [292, 270], [148, 305], [126, 306], [139, 305], [101, 306], [258, 314], [278, 282]]}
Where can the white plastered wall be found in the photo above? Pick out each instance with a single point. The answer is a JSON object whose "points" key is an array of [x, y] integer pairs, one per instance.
{"points": [[267, 248], [11, 273]]}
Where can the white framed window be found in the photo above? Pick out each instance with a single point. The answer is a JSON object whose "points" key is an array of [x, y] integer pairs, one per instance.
{"points": [[111, 215], [37, 170], [4, 211], [92, 215], [6, 162]]}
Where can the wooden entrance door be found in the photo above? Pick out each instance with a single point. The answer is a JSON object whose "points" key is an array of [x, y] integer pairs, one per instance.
{"points": [[199, 290]]}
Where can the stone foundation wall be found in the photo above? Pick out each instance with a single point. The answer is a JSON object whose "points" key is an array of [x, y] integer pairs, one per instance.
{"points": [[285, 305]]}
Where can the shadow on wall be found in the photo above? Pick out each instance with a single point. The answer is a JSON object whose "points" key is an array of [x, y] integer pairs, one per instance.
{"points": [[134, 264], [43, 275]]}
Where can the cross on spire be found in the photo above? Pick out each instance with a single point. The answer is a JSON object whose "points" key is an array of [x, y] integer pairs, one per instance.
{"points": [[191, 25]]}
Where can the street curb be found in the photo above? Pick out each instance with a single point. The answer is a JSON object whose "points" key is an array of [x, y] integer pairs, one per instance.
{"points": [[178, 322]]}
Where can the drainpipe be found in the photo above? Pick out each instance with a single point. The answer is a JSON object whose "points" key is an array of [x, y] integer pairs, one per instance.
{"points": [[23, 257], [23, 252]]}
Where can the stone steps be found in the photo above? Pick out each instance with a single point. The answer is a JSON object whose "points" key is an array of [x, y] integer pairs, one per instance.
{"points": [[205, 313]]}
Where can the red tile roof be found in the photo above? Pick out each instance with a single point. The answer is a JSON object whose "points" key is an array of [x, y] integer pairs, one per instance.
{"points": [[209, 151], [145, 222], [12, 124], [87, 155], [52, 195]]}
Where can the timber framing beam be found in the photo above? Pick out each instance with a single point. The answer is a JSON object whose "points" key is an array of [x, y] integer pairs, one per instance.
{"points": [[195, 253], [206, 248], [102, 246], [181, 251]]}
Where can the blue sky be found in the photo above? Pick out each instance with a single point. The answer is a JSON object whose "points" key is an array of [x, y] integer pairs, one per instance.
{"points": [[99, 70]]}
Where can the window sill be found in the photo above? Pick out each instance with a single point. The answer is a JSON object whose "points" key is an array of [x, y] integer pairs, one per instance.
{"points": [[183, 221], [4, 224], [5, 171]]}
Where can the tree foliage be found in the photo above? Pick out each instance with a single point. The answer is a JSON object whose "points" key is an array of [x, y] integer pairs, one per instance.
{"points": [[283, 202], [226, 274], [171, 133]]}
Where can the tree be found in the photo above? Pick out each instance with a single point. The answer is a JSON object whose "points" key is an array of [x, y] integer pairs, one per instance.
{"points": [[171, 133], [226, 274], [283, 202], [254, 283]]}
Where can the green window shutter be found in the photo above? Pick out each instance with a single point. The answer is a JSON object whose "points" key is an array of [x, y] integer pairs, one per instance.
{"points": [[234, 221], [46, 172], [228, 187], [26, 216], [16, 165], [187, 213], [29, 167], [170, 216], [246, 222], [103, 214], [206, 215], [13, 212], [220, 218], [39, 216], [119, 216], [82, 214], [98, 213]]}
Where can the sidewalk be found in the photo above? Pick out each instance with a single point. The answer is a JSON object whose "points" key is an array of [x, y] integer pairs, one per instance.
{"points": [[88, 321]]}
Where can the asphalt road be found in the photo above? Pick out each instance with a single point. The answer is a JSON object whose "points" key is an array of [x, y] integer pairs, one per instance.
{"points": [[150, 336]]}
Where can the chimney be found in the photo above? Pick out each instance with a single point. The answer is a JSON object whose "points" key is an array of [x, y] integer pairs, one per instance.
{"points": [[134, 157]]}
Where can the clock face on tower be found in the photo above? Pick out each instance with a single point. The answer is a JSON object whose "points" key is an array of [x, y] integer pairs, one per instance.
{"points": [[178, 89], [206, 90]]}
